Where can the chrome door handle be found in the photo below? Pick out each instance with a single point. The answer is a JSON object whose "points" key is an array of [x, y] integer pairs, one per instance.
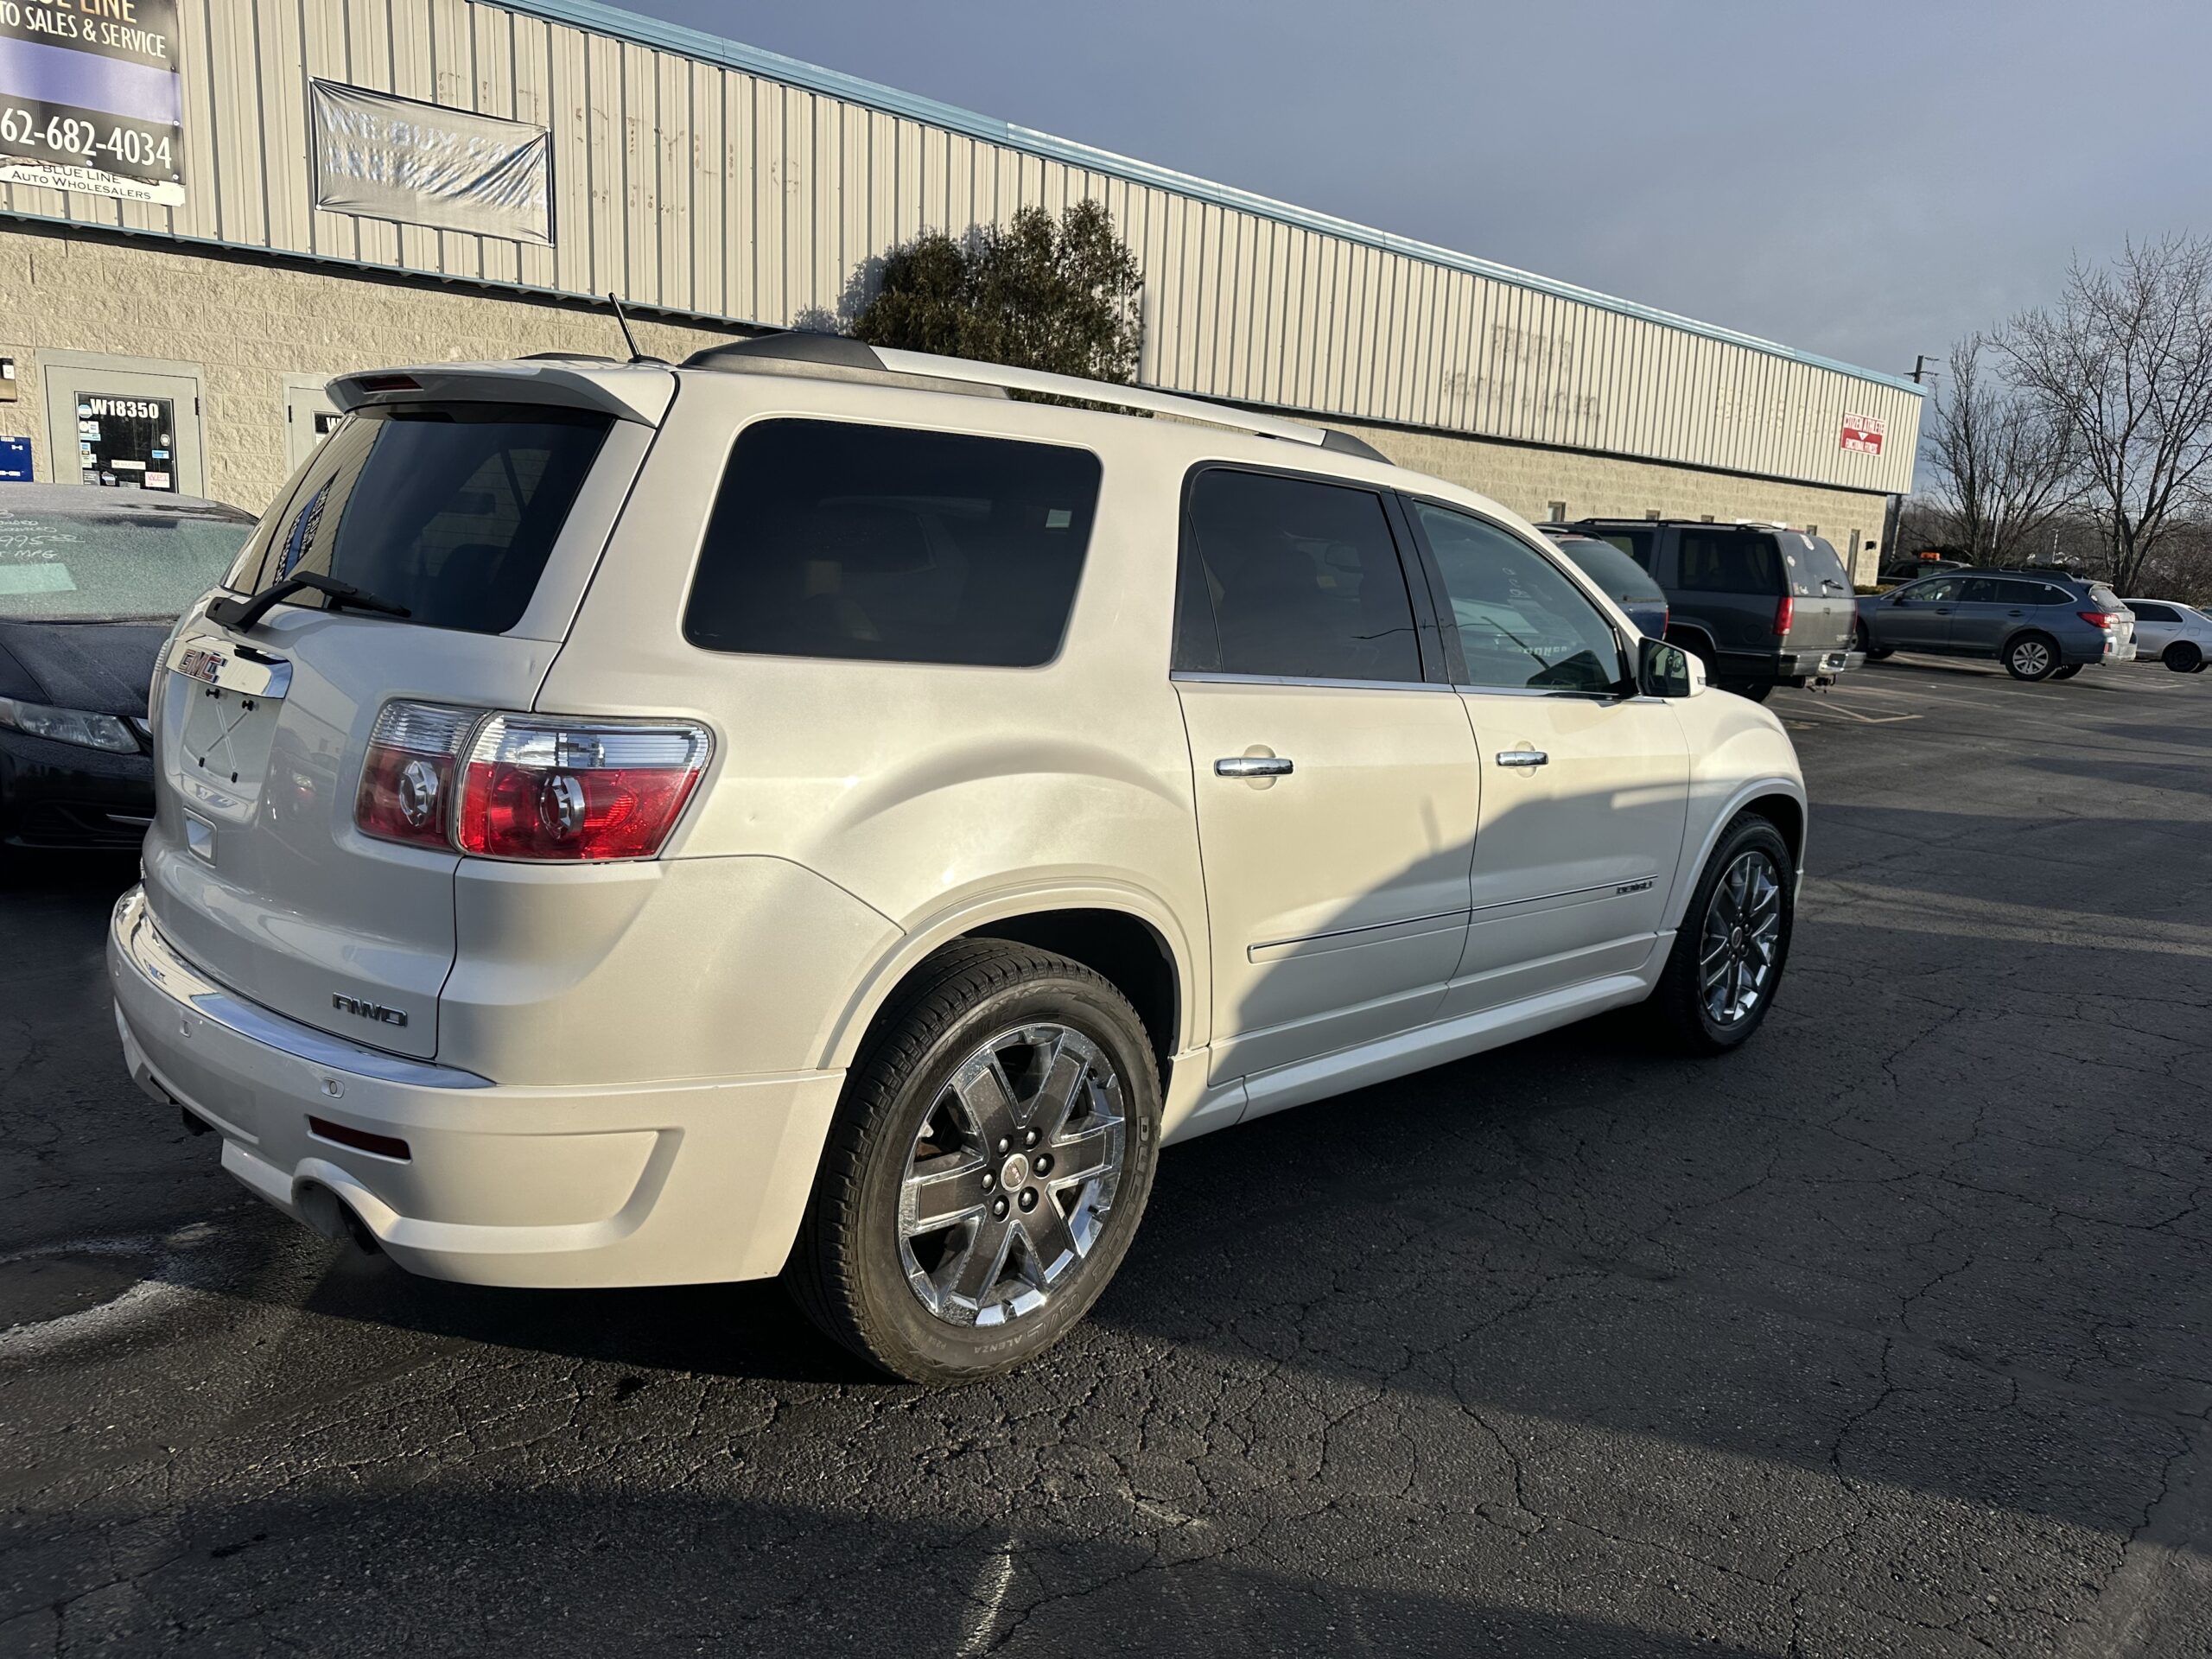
{"points": [[1252, 765], [1523, 758]]}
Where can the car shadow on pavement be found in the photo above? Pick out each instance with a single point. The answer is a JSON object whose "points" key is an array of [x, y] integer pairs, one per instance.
{"points": [[902, 1566]]}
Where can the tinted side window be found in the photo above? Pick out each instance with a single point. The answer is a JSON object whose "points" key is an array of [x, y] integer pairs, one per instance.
{"points": [[1941, 591], [2047, 594], [1522, 622], [1980, 590], [832, 539], [1730, 562], [1304, 579], [2019, 593], [1637, 544], [2146, 612]]}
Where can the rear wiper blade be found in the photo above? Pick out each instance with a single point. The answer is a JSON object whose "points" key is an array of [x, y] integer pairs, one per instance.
{"points": [[242, 614]]}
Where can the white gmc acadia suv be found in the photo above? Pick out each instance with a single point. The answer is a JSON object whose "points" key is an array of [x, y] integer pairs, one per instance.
{"points": [[807, 812]]}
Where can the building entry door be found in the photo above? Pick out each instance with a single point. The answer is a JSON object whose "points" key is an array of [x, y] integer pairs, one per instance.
{"points": [[310, 417], [123, 423]]}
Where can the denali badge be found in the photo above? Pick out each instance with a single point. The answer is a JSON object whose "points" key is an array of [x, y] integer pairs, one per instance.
{"points": [[345, 1004], [1643, 885]]}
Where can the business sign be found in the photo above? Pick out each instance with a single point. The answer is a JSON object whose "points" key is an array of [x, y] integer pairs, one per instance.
{"points": [[1862, 433], [384, 157], [90, 98]]}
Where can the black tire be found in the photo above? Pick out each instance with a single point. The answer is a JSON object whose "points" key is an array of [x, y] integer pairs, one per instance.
{"points": [[1678, 1007], [2031, 656], [2182, 656], [1865, 642], [847, 1272], [2067, 672]]}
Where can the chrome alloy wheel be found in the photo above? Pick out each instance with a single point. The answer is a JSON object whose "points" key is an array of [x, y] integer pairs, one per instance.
{"points": [[2031, 657], [1011, 1175], [1743, 926]]}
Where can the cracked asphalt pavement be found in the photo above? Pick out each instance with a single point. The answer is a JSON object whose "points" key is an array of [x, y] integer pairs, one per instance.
{"points": [[1889, 1335]]}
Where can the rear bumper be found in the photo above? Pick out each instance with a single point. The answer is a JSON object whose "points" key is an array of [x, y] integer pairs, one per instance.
{"points": [[1815, 666], [662, 1183], [1800, 667]]}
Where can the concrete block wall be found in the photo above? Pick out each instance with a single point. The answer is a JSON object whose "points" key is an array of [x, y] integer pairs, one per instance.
{"points": [[1529, 479], [245, 324]]}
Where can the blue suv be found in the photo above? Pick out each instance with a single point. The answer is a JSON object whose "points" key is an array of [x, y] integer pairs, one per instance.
{"points": [[2042, 625]]}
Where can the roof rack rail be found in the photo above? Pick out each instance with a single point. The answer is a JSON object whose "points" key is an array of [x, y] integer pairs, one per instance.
{"points": [[795, 346], [842, 352]]}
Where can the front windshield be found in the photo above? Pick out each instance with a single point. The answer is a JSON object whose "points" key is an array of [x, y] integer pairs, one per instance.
{"points": [[92, 566]]}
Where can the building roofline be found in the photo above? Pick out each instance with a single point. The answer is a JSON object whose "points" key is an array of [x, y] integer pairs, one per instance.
{"points": [[774, 66]]}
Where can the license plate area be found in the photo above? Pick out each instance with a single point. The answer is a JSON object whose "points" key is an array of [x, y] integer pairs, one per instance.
{"points": [[233, 697]]}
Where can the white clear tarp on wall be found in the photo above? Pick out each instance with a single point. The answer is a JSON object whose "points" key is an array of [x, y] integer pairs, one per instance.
{"points": [[385, 157]]}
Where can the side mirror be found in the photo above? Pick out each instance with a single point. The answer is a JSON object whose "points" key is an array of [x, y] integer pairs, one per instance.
{"points": [[1665, 670]]}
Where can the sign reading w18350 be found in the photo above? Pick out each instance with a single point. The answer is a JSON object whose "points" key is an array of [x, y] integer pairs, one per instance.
{"points": [[90, 99]]}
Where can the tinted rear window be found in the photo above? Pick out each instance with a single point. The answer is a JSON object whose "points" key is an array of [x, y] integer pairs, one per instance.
{"points": [[1621, 577], [1637, 544], [832, 539], [1815, 571], [449, 510], [1730, 562]]}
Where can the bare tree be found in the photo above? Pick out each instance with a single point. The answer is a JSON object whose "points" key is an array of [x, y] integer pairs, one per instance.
{"points": [[2124, 361], [2008, 462]]}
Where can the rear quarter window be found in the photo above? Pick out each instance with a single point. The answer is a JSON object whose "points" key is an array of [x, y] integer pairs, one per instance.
{"points": [[832, 539]]}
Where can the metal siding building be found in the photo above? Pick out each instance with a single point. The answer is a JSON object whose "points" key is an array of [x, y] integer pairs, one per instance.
{"points": [[728, 187]]}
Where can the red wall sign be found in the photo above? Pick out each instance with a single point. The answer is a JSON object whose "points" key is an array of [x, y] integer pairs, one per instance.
{"points": [[1862, 433]]}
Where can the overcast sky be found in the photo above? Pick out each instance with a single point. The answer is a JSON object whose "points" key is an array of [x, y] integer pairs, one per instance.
{"points": [[1864, 179]]}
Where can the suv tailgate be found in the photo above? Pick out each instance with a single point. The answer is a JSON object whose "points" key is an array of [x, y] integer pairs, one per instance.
{"points": [[484, 519], [1823, 610]]}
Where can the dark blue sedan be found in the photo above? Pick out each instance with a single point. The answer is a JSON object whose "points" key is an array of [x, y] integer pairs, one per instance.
{"points": [[90, 582], [1627, 583]]}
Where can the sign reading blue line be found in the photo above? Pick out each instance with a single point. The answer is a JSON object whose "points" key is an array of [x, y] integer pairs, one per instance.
{"points": [[91, 103]]}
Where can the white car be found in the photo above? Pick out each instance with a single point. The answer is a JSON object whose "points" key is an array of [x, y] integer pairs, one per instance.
{"points": [[807, 812], [2178, 635]]}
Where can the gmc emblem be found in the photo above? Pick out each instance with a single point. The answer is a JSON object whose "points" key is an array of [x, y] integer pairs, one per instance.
{"points": [[377, 1011]]}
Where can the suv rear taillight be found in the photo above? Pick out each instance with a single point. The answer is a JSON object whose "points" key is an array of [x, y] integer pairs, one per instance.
{"points": [[407, 781], [2097, 619], [527, 786], [1785, 614]]}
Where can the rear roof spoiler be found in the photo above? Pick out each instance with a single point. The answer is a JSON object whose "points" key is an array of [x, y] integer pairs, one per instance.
{"points": [[628, 393]]}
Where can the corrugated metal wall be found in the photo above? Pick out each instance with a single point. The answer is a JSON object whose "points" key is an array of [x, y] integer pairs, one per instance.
{"points": [[699, 188]]}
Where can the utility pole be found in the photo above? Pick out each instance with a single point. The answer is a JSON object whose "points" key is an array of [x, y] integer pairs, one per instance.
{"points": [[1924, 371]]}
